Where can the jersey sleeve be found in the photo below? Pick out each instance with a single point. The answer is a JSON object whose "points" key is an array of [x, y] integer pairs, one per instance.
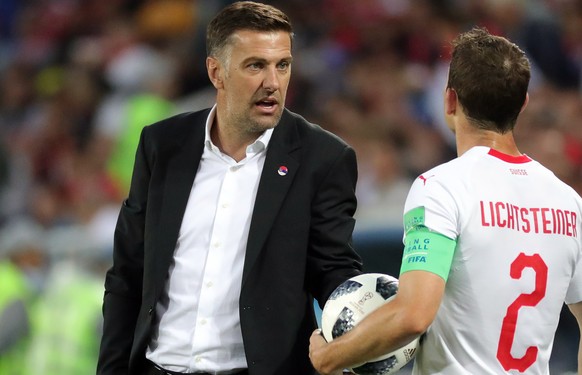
{"points": [[430, 227], [426, 250]]}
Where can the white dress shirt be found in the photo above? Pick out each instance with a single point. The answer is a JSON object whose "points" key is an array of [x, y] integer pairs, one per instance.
{"points": [[199, 324]]}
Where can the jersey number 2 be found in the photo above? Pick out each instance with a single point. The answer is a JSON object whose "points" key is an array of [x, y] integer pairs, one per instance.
{"points": [[508, 361]]}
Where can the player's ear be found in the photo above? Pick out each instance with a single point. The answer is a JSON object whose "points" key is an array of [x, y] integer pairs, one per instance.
{"points": [[450, 101], [215, 72], [525, 102]]}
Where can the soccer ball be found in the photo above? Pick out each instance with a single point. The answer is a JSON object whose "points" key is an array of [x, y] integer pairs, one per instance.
{"points": [[349, 303]]}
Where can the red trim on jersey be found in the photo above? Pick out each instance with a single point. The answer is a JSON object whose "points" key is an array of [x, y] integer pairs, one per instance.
{"points": [[509, 158]]}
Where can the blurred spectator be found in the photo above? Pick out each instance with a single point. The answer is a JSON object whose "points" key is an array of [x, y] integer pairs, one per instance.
{"points": [[146, 80], [530, 24], [80, 79], [66, 320], [383, 183], [22, 266]]}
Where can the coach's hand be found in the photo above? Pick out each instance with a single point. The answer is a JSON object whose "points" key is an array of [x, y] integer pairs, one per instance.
{"points": [[317, 351]]}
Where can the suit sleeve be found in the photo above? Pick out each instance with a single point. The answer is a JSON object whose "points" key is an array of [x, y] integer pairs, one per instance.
{"points": [[331, 256], [123, 282]]}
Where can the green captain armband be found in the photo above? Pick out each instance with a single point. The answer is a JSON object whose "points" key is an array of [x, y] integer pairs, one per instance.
{"points": [[426, 250]]}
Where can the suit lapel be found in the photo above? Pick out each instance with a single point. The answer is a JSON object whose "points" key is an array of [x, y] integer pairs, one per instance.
{"points": [[181, 169], [273, 187]]}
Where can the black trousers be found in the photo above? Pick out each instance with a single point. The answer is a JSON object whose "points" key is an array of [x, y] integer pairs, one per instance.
{"points": [[153, 369]]}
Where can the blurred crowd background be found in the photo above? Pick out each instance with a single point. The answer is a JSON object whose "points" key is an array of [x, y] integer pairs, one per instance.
{"points": [[80, 78]]}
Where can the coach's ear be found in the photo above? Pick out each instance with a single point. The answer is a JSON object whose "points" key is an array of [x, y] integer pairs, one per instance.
{"points": [[215, 72]]}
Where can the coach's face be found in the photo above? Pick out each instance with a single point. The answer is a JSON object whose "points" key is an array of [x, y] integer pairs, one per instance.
{"points": [[252, 79]]}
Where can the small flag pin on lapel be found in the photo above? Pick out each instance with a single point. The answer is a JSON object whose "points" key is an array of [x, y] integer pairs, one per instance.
{"points": [[283, 170]]}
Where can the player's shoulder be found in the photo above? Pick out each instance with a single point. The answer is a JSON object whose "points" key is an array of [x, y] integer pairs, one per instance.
{"points": [[559, 185], [471, 163], [455, 175], [447, 172]]}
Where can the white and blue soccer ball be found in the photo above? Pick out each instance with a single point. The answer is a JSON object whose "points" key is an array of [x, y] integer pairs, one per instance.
{"points": [[349, 303]]}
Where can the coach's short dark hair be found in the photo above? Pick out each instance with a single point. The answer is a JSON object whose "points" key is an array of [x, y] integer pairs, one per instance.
{"points": [[490, 75], [243, 15]]}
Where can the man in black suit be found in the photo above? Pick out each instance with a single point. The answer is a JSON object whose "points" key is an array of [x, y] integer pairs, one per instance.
{"points": [[237, 217]]}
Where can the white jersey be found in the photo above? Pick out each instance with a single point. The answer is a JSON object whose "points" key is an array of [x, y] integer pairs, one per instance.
{"points": [[518, 229]]}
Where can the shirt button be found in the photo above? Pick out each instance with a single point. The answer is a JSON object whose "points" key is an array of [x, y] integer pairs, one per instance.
{"points": [[203, 321], [209, 284]]}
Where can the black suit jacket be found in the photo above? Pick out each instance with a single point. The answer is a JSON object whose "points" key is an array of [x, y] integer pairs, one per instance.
{"points": [[299, 244]]}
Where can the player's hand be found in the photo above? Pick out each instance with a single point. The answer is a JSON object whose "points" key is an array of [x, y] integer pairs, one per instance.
{"points": [[317, 346]]}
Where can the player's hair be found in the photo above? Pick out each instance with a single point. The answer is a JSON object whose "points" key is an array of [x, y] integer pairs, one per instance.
{"points": [[490, 76], [242, 15]]}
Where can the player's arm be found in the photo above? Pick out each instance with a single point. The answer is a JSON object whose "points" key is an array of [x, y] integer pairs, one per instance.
{"points": [[408, 315], [576, 309], [389, 327]]}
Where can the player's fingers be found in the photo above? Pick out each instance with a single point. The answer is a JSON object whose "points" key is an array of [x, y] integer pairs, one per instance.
{"points": [[317, 338], [316, 342]]}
